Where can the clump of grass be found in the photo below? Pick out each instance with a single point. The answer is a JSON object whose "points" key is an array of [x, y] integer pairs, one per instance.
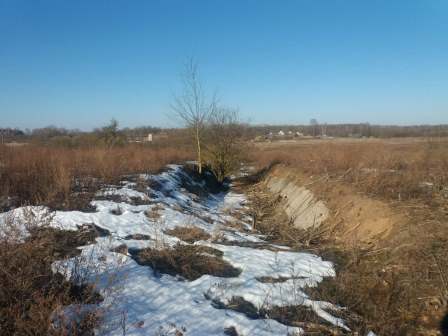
{"points": [[188, 261], [189, 234], [305, 318]]}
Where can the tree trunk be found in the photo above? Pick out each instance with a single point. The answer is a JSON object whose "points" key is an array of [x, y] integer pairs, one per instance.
{"points": [[198, 143]]}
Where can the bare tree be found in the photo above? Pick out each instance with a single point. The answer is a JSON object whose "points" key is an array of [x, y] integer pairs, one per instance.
{"points": [[110, 135], [193, 107], [224, 148]]}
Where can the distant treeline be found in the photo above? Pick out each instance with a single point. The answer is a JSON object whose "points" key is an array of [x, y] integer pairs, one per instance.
{"points": [[109, 134], [353, 130], [63, 136]]}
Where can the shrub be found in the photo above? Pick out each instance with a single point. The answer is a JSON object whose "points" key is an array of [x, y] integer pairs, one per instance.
{"points": [[30, 292]]}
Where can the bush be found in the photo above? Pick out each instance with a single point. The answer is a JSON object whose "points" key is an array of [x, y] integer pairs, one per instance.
{"points": [[224, 147]]}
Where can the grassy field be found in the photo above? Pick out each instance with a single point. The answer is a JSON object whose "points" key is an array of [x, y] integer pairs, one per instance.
{"points": [[396, 286], [42, 174], [395, 169]]}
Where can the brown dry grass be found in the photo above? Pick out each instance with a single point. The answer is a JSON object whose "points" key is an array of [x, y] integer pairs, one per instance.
{"points": [[399, 286], [396, 171], [188, 261], [60, 177], [188, 234], [37, 174], [30, 292], [394, 289]]}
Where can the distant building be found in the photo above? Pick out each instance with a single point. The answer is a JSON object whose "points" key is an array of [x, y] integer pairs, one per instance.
{"points": [[281, 133], [142, 139]]}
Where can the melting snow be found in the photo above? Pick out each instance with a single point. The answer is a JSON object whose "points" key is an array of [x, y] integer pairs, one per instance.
{"points": [[147, 304]]}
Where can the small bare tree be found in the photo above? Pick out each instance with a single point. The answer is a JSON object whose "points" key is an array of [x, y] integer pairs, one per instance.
{"points": [[193, 107], [224, 148]]}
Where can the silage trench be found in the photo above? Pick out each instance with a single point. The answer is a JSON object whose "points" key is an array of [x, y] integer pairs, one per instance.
{"points": [[140, 213]]}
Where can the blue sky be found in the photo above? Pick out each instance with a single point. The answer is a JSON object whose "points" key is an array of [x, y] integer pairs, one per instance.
{"points": [[79, 63]]}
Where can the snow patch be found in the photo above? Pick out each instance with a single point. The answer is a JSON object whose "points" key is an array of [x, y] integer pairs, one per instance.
{"points": [[151, 303]]}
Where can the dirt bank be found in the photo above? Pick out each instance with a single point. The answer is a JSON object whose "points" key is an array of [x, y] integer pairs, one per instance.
{"points": [[390, 255], [316, 200]]}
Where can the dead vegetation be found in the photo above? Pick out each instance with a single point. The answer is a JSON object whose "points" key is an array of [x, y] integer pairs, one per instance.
{"points": [[31, 293], [294, 316], [153, 213], [66, 178], [392, 171], [396, 285], [270, 219], [188, 261], [238, 304], [305, 318], [189, 234]]}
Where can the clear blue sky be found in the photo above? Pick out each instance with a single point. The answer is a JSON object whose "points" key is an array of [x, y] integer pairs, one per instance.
{"points": [[79, 63]]}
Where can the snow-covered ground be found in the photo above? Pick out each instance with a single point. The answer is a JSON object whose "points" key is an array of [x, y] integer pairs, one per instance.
{"points": [[140, 302]]}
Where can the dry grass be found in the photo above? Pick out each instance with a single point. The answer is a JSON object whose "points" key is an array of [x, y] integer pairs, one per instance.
{"points": [[36, 174], [385, 290], [400, 285], [188, 234], [305, 318], [30, 292], [394, 171], [188, 261]]}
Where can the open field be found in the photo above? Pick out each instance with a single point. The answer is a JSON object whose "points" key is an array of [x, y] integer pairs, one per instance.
{"points": [[396, 169], [224, 168], [57, 175], [377, 249], [347, 140]]}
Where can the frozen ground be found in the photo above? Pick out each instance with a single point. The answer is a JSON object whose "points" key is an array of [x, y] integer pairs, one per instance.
{"points": [[140, 302]]}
